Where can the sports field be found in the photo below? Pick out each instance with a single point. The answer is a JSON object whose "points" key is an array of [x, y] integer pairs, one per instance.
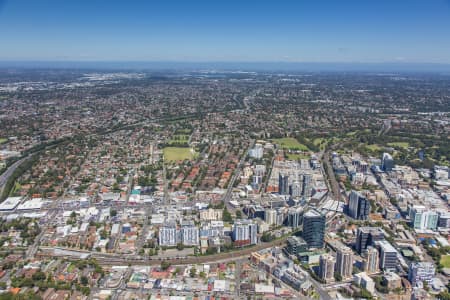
{"points": [[290, 143], [178, 153]]}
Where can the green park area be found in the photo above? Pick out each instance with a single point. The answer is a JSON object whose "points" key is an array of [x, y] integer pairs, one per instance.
{"points": [[178, 153], [373, 147], [445, 261], [295, 156], [3, 140], [402, 145], [291, 144]]}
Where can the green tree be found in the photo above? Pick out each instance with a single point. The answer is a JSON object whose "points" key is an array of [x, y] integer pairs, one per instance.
{"points": [[84, 280], [192, 272]]}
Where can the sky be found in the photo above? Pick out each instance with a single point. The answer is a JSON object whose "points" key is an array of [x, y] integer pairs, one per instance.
{"points": [[344, 31]]}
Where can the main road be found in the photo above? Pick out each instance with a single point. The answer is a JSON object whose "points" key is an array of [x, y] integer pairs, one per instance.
{"points": [[237, 171], [5, 176]]}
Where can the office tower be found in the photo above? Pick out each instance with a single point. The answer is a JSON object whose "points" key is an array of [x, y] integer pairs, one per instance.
{"points": [[371, 260], [245, 232], [387, 162], [168, 235], [444, 219], [344, 262], [283, 184], [314, 228], [296, 245], [296, 189], [189, 233], [358, 206], [420, 272], [366, 236], [294, 217], [388, 256], [326, 267], [307, 185], [423, 218]]}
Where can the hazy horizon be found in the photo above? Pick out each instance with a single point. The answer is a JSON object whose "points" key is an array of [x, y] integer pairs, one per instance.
{"points": [[296, 32], [231, 66]]}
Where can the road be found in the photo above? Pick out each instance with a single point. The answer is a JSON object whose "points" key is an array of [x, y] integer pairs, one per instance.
{"points": [[5, 176], [237, 171], [112, 259]]}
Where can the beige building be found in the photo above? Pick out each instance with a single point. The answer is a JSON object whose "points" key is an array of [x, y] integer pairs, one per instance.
{"points": [[344, 262], [211, 214], [326, 267]]}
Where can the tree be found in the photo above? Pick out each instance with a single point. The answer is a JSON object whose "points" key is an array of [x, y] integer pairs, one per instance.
{"points": [[226, 216], [180, 246], [113, 213], [165, 265], [38, 276], [84, 280], [192, 272]]}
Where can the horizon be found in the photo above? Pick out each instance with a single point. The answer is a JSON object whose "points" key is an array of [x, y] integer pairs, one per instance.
{"points": [[269, 66], [356, 32]]}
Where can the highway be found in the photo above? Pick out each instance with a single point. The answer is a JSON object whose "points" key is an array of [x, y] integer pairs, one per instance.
{"points": [[5, 176]]}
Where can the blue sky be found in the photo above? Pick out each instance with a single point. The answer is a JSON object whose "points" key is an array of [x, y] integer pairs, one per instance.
{"points": [[226, 30]]}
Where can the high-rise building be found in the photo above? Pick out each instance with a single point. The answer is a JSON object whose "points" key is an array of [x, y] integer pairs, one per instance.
{"points": [[307, 185], [189, 233], [296, 245], [296, 189], [358, 206], [313, 228], [257, 151], [168, 235], [420, 272], [422, 218], [245, 232], [326, 267], [387, 162], [344, 262], [388, 256], [366, 236], [283, 184], [270, 216], [294, 217], [371, 260], [444, 219]]}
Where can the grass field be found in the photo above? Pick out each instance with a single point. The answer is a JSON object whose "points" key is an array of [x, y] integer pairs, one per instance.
{"points": [[373, 147], [15, 189], [445, 261], [297, 156], [178, 153], [403, 145], [3, 140], [290, 143]]}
